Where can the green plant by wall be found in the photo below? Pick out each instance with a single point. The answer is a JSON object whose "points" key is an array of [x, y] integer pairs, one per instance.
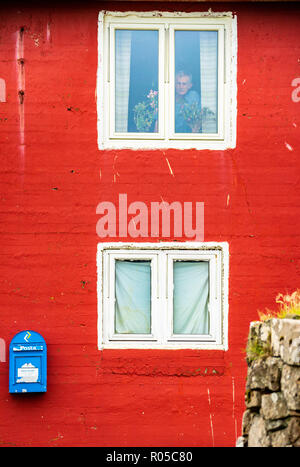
{"points": [[256, 349]]}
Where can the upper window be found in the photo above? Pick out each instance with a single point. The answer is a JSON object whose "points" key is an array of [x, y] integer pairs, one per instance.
{"points": [[166, 80], [163, 295]]}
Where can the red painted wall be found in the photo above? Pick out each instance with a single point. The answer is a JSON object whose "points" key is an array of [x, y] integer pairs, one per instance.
{"points": [[53, 176]]}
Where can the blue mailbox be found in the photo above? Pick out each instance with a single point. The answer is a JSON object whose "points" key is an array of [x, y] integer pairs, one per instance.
{"points": [[27, 363]]}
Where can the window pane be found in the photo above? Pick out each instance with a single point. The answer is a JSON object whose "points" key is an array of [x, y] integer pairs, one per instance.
{"points": [[133, 297], [196, 81], [136, 93], [190, 297]]}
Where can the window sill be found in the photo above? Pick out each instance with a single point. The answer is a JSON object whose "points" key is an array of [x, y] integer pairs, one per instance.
{"points": [[219, 145]]}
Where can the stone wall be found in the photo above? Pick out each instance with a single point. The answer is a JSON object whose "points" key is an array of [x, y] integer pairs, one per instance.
{"points": [[272, 396]]}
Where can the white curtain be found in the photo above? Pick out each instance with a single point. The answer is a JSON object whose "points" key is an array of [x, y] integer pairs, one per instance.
{"points": [[122, 70], [209, 77], [133, 297], [190, 297]]}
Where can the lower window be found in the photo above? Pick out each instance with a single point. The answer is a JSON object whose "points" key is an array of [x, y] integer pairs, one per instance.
{"points": [[163, 295]]}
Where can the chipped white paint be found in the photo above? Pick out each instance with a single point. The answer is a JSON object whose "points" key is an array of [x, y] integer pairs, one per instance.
{"points": [[170, 168], [177, 14], [210, 418], [48, 33], [114, 167], [288, 146], [233, 397]]}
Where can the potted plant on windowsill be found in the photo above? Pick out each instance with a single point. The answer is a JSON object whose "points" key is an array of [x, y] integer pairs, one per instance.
{"points": [[194, 115], [145, 113]]}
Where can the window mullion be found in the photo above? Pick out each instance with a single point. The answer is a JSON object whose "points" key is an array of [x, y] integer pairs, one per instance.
{"points": [[108, 58], [169, 295], [171, 82], [167, 40], [162, 301], [162, 108]]}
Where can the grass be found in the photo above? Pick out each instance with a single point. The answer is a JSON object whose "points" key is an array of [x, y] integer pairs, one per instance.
{"points": [[257, 349], [288, 307]]}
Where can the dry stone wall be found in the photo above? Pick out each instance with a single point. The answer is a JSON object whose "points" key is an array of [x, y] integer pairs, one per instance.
{"points": [[272, 396]]}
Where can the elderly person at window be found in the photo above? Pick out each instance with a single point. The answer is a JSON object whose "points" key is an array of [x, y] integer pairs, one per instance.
{"points": [[184, 94]]}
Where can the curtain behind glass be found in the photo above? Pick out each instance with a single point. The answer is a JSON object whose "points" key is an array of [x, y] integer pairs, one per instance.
{"points": [[133, 297], [209, 78], [190, 297], [123, 54], [136, 81]]}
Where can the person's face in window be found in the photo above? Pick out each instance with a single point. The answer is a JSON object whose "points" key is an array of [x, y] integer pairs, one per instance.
{"points": [[182, 84]]}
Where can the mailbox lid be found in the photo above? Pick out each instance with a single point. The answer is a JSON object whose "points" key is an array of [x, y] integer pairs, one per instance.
{"points": [[28, 338]]}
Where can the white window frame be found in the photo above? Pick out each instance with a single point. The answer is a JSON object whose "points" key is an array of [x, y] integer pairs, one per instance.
{"points": [[162, 256], [166, 24]]}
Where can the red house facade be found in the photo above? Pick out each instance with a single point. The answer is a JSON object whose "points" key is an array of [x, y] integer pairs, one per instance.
{"points": [[138, 244]]}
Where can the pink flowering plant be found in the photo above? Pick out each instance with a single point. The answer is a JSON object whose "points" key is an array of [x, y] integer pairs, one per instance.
{"points": [[194, 115], [145, 113]]}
